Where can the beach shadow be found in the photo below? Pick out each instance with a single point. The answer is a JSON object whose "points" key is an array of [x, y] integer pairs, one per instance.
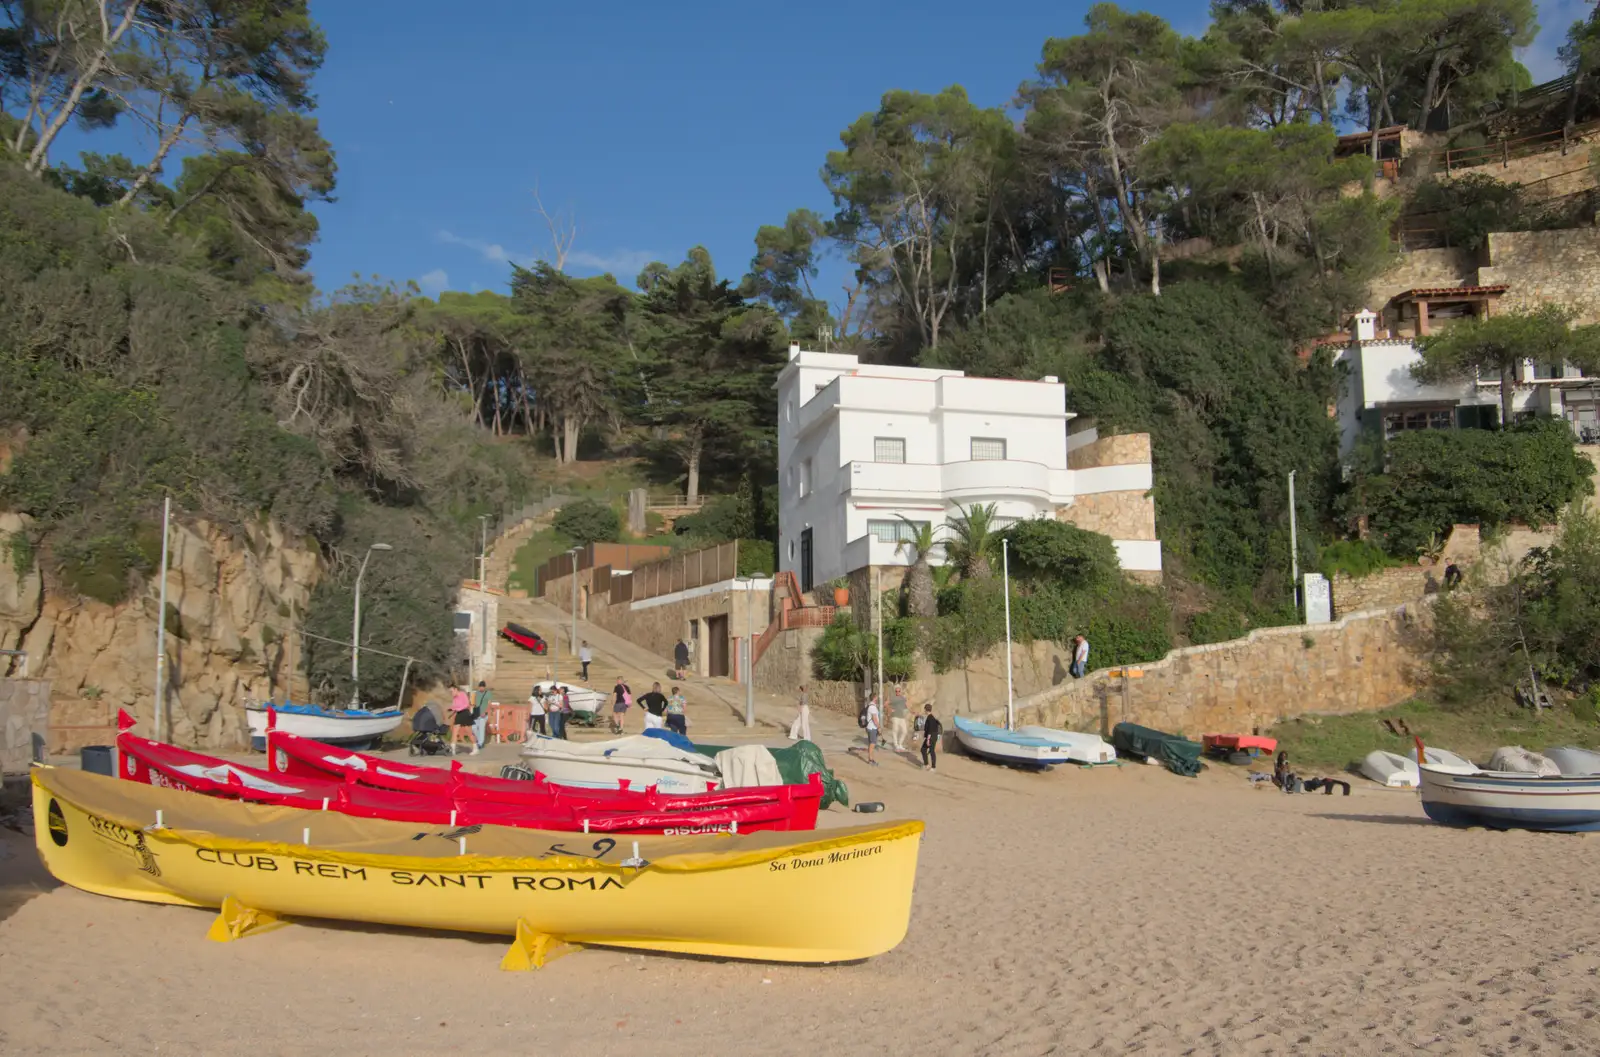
{"points": [[1381, 820], [22, 876]]}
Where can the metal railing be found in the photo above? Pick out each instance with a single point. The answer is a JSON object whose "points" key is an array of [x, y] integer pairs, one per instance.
{"points": [[1504, 150]]}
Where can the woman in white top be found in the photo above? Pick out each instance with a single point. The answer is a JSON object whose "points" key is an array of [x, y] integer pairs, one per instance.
{"points": [[536, 711]]}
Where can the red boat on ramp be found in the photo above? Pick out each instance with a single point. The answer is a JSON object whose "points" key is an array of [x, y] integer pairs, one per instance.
{"points": [[292, 755], [153, 763]]}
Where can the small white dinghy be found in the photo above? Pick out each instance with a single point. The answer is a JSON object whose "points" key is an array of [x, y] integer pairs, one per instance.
{"points": [[639, 761], [1080, 747], [1392, 770], [1008, 746], [1573, 761], [1514, 759], [1444, 758]]}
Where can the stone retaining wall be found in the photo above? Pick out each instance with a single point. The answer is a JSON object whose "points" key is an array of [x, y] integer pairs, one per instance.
{"points": [[1366, 661]]}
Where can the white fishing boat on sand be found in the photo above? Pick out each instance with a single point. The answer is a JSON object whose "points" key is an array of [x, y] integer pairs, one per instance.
{"points": [[639, 761], [1080, 747], [333, 726]]}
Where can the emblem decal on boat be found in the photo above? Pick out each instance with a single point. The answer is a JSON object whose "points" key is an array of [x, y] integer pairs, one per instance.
{"points": [[58, 823]]}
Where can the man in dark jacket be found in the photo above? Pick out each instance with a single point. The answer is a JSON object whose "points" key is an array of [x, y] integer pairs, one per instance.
{"points": [[680, 659], [931, 729]]}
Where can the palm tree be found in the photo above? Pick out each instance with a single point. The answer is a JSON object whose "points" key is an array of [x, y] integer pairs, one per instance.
{"points": [[973, 539], [918, 585]]}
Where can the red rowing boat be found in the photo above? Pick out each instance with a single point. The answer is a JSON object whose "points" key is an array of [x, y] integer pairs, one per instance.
{"points": [[1251, 743], [153, 763], [293, 755]]}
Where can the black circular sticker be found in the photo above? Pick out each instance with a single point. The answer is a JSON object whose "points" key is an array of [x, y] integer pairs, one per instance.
{"points": [[58, 824]]}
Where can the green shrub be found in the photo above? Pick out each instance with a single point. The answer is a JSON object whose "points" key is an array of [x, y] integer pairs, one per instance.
{"points": [[1216, 625], [1439, 478], [1355, 558], [847, 653], [1066, 556], [587, 521], [1468, 207], [757, 558]]}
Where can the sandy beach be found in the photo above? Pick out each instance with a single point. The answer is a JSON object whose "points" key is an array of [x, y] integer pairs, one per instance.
{"points": [[1113, 911]]}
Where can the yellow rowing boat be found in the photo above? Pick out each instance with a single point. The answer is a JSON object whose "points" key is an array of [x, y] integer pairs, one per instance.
{"points": [[836, 895]]}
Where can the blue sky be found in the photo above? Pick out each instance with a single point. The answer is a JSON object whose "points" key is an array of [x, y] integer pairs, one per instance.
{"points": [[659, 126]]}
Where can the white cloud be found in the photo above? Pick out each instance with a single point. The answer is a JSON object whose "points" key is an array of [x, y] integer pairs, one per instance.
{"points": [[623, 263], [1555, 16], [435, 282]]}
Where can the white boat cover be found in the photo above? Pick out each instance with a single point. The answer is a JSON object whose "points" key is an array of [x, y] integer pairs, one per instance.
{"points": [[746, 766], [1516, 759], [1573, 761], [635, 747], [1392, 769], [1441, 758]]}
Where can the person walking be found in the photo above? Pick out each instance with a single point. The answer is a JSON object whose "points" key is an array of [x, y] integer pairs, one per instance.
{"points": [[931, 729], [536, 710], [677, 716], [874, 720], [1080, 657], [461, 719], [585, 658], [680, 660], [899, 718], [800, 729], [620, 706], [480, 714]]}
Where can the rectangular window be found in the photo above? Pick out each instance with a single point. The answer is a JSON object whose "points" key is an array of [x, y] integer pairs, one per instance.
{"points": [[1548, 370], [889, 449], [805, 478], [894, 531], [1397, 422], [988, 449]]}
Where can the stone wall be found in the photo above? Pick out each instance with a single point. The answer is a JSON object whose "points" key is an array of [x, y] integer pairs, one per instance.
{"points": [[1124, 449], [1423, 268], [1386, 587], [1569, 171], [1120, 515], [24, 716], [1546, 267], [238, 600], [1364, 662]]}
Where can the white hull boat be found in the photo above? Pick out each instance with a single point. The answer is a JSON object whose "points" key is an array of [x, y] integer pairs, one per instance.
{"points": [[583, 698], [1443, 758], [1080, 747], [1573, 761], [1392, 770], [333, 726], [1009, 746], [1501, 800], [1517, 760], [638, 761]]}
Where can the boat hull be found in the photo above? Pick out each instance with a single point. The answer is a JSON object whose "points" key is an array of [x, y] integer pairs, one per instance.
{"points": [[335, 729], [1507, 800], [1079, 747], [839, 896], [1011, 747], [593, 766]]}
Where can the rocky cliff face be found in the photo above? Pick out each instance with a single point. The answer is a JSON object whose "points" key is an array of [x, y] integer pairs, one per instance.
{"points": [[235, 602]]}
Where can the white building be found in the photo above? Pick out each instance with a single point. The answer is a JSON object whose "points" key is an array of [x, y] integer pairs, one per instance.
{"points": [[1380, 395], [860, 445]]}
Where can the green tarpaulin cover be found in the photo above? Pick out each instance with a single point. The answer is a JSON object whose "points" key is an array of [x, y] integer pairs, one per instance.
{"points": [[1179, 755], [797, 763]]}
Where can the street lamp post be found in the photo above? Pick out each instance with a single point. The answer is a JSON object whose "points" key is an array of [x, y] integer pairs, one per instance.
{"points": [[483, 551], [572, 642], [355, 628], [749, 654]]}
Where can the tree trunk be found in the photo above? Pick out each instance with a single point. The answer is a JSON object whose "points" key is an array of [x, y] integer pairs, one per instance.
{"points": [[1430, 88], [919, 589], [167, 143], [40, 155], [1507, 392], [692, 456]]}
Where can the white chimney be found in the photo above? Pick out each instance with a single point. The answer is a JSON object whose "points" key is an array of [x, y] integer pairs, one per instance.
{"points": [[1366, 325], [794, 349]]}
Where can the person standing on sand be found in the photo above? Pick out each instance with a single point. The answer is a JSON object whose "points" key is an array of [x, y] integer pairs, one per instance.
{"points": [[677, 717], [480, 714], [620, 706], [536, 709], [931, 729], [1080, 657], [898, 721], [556, 707], [680, 660], [461, 719], [874, 725], [800, 729], [585, 658]]}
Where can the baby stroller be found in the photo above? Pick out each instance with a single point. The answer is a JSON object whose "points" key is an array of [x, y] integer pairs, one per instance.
{"points": [[427, 734]]}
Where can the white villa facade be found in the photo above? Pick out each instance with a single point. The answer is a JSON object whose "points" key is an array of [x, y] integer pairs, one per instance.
{"points": [[1380, 396], [862, 445]]}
